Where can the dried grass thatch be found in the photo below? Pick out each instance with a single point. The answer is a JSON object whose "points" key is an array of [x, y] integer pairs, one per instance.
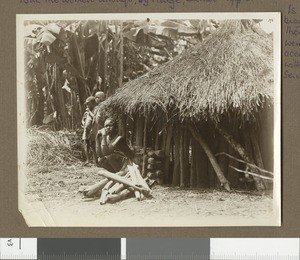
{"points": [[47, 148], [229, 73]]}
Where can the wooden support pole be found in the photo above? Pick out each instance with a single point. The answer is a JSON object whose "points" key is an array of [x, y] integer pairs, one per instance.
{"points": [[176, 171], [186, 157], [157, 138], [223, 161], [145, 146], [243, 153], [256, 150], [224, 182], [167, 154], [193, 179], [139, 131], [181, 158], [202, 168]]}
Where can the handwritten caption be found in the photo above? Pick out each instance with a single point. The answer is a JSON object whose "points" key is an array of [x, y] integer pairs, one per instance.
{"points": [[171, 4], [291, 46]]}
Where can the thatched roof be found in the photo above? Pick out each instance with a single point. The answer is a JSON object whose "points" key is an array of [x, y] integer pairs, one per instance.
{"points": [[230, 72]]}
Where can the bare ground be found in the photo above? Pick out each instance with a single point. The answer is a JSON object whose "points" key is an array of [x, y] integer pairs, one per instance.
{"points": [[54, 192]]}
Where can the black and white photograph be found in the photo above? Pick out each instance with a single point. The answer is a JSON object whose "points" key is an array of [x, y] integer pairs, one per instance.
{"points": [[149, 119]]}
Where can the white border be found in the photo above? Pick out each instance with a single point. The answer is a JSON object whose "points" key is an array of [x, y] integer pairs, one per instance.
{"points": [[276, 16]]}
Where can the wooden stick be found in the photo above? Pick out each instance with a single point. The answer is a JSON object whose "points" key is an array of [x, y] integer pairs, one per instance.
{"points": [[134, 179], [176, 167], [124, 194], [134, 171], [105, 192], [90, 191], [250, 164], [145, 146], [120, 188], [251, 173], [259, 184], [256, 149], [122, 180], [115, 187], [167, 154], [181, 159], [211, 157]]}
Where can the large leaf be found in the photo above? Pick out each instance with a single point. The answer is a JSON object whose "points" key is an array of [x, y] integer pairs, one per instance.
{"points": [[32, 30]]}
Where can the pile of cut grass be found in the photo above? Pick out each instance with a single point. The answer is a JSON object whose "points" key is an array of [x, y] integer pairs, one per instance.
{"points": [[52, 148]]}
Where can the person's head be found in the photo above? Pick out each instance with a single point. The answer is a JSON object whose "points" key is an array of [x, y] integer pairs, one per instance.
{"points": [[111, 126], [90, 102], [99, 97]]}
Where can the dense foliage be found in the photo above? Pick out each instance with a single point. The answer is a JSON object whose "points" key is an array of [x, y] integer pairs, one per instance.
{"points": [[67, 61]]}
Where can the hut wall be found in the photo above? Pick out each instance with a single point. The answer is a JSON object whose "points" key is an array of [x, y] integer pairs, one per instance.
{"points": [[266, 137], [223, 160], [184, 162], [139, 130]]}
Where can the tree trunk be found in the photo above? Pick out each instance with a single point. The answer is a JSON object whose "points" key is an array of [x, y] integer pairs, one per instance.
{"points": [[61, 102], [78, 64], [211, 158], [103, 50], [243, 153], [120, 56]]}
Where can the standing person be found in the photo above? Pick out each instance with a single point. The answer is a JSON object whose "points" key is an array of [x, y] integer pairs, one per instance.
{"points": [[88, 135], [99, 119], [112, 149]]}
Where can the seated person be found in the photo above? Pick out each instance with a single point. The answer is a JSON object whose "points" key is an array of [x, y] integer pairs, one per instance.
{"points": [[112, 149]]}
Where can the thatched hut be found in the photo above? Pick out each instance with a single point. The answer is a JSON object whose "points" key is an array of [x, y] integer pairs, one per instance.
{"points": [[218, 90]]}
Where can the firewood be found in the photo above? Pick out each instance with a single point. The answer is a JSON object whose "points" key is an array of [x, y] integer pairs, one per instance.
{"points": [[103, 197], [117, 187], [134, 179], [159, 173], [151, 160], [114, 188], [120, 188], [156, 154], [92, 190], [150, 167], [159, 181], [137, 180], [120, 179], [104, 194], [137, 194], [124, 194], [151, 175], [138, 175]]}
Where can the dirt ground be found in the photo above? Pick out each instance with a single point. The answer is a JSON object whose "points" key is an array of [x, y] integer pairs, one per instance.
{"points": [[52, 195]]}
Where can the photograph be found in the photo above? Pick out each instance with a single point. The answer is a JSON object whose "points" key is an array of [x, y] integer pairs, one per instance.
{"points": [[149, 119]]}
